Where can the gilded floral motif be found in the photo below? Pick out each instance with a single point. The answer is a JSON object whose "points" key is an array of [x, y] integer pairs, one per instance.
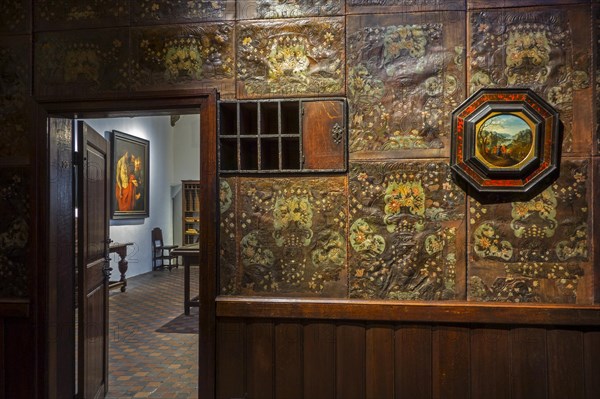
{"points": [[179, 10], [530, 282], [401, 198], [292, 220], [297, 8], [81, 62], [71, 12], [225, 196], [575, 247], [280, 253], [13, 16], [543, 207], [14, 119], [286, 58], [537, 248], [529, 49], [405, 231], [228, 240], [253, 254], [394, 2], [176, 56], [363, 238], [488, 243], [14, 233], [402, 82]]}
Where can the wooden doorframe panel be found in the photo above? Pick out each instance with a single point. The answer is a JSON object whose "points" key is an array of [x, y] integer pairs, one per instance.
{"points": [[123, 105]]}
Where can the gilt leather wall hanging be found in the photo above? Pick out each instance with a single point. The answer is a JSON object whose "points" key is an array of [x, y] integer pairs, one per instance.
{"points": [[504, 140]]}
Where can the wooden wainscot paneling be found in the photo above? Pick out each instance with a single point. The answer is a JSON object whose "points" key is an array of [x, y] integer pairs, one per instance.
{"points": [[307, 358], [490, 362], [263, 9], [351, 361], [451, 362], [413, 344], [2, 361], [591, 345], [259, 359], [176, 56], [146, 12], [400, 6], [566, 358], [294, 57], [529, 363], [538, 249], [405, 76], [18, 359], [231, 358], [379, 361], [289, 361], [74, 14], [319, 359], [561, 73]]}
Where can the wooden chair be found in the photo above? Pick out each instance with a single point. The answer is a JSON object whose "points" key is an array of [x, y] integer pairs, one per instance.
{"points": [[161, 253]]}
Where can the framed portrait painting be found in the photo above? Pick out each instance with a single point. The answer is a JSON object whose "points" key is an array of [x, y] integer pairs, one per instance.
{"points": [[504, 140], [130, 176]]}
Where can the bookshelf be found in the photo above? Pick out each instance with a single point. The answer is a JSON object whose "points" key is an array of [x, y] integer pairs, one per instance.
{"points": [[190, 211]]}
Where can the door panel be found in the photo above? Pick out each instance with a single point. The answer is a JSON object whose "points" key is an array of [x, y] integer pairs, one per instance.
{"points": [[93, 261], [323, 135]]}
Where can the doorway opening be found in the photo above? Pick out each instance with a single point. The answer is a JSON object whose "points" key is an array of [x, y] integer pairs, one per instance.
{"points": [[65, 358], [152, 344]]}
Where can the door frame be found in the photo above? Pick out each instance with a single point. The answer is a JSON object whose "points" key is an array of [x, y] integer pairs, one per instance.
{"points": [[49, 303]]}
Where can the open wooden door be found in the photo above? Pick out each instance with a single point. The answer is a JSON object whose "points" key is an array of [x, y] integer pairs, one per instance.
{"points": [[93, 263]]}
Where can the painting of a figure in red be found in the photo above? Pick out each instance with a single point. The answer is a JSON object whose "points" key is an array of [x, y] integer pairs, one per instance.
{"points": [[130, 174]]}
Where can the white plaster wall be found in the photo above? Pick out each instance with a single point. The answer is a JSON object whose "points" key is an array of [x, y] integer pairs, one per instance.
{"points": [[186, 164], [156, 129]]}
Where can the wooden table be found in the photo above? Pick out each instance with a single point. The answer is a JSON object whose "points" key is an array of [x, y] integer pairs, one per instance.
{"points": [[189, 253], [121, 250]]}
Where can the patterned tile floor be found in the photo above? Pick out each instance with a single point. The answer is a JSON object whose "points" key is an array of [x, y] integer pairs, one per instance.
{"points": [[145, 363]]}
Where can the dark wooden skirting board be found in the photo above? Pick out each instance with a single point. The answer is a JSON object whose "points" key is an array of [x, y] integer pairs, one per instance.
{"points": [[427, 312]]}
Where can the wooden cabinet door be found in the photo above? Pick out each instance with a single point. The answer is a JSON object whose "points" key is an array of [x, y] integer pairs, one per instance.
{"points": [[324, 135], [93, 262]]}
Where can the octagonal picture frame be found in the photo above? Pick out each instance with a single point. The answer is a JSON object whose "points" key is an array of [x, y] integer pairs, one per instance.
{"points": [[504, 140]]}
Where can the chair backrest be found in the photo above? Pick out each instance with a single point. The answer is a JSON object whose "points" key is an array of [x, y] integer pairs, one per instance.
{"points": [[157, 238]]}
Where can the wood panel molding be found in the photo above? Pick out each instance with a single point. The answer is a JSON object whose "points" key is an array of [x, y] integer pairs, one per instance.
{"points": [[14, 308], [402, 311]]}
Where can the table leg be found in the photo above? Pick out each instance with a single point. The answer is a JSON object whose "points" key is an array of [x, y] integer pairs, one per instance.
{"points": [[123, 264], [186, 285]]}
